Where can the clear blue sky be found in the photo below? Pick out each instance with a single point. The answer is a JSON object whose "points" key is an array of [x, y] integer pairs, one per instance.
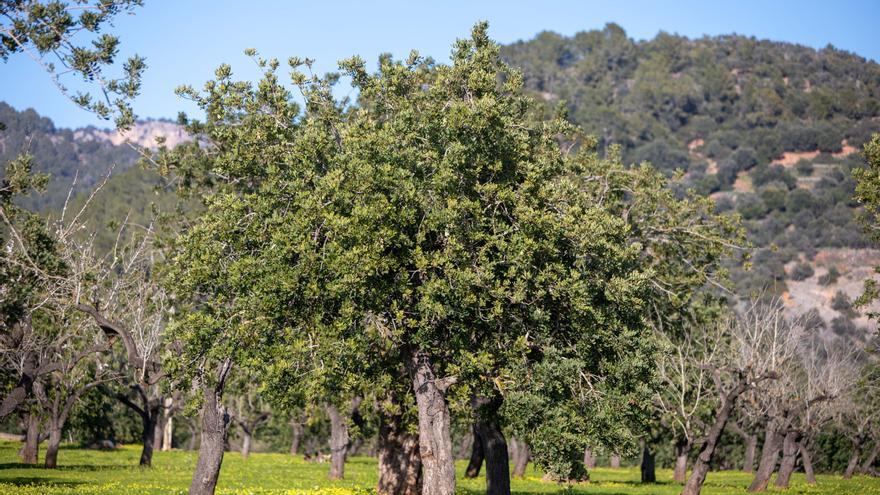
{"points": [[184, 40]]}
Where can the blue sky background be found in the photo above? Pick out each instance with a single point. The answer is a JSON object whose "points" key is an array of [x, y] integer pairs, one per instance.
{"points": [[185, 40]]}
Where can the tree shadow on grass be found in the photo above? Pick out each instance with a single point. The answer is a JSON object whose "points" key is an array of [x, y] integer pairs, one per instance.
{"points": [[30, 480], [66, 467]]}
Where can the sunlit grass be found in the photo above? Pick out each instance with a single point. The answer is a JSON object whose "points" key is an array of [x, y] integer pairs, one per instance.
{"points": [[88, 472]]}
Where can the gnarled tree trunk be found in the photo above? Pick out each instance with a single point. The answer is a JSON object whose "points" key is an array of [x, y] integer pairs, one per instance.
{"points": [[769, 457], [853, 458], [869, 461], [435, 441], [707, 451], [615, 461], [31, 448], [215, 428], [789, 458], [400, 466]]}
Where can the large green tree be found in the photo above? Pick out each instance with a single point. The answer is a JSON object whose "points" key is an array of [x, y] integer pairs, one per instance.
{"points": [[490, 255]]}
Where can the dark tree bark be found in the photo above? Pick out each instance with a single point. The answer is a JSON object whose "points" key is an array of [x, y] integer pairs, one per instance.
{"points": [[488, 431], [807, 460], [215, 428], [682, 449], [357, 419], [648, 467], [338, 443], [476, 461], [296, 427], [790, 447], [854, 458], [400, 466], [31, 448], [872, 456], [521, 460], [148, 435], [707, 451], [769, 457], [589, 458], [615, 461], [435, 440]]}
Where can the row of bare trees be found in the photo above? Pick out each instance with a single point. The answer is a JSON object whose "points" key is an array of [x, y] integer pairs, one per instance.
{"points": [[760, 374]]}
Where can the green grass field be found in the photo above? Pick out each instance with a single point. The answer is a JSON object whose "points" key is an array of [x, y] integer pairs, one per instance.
{"points": [[87, 472]]}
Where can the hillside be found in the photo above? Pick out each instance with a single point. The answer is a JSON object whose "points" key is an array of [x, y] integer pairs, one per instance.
{"points": [[771, 130], [86, 154]]}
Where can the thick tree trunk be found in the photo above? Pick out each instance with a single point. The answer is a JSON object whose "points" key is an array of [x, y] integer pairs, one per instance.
{"points": [[789, 458], [589, 458], [215, 428], [869, 461], [615, 461], [435, 441], [853, 459], [52, 445], [769, 457], [476, 461], [148, 435], [682, 449], [707, 451], [807, 460], [338, 443], [246, 446], [521, 461], [30, 450], [494, 449], [296, 436], [400, 467], [648, 467]]}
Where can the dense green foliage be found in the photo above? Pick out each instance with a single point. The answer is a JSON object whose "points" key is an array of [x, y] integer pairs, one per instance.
{"points": [[114, 472]]}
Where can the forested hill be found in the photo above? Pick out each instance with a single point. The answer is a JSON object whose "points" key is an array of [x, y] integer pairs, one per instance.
{"points": [[770, 129], [86, 154]]}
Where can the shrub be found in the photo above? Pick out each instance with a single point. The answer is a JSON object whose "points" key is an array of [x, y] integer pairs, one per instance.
{"points": [[804, 168], [829, 277], [801, 271]]}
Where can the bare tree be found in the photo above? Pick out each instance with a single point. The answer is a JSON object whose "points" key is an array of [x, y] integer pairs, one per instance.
{"points": [[741, 354]]}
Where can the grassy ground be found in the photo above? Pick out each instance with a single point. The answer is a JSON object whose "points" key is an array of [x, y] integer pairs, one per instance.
{"points": [[86, 472]]}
